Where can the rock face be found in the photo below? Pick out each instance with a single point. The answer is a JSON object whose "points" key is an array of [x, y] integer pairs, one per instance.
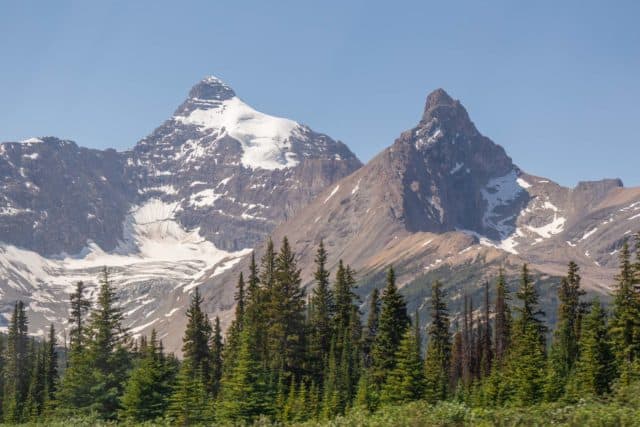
{"points": [[184, 204], [444, 202]]}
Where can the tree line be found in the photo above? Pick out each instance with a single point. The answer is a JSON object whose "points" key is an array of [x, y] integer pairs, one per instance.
{"points": [[291, 357]]}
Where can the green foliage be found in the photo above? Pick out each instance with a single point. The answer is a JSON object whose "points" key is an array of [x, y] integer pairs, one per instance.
{"points": [[438, 354], [392, 324]]}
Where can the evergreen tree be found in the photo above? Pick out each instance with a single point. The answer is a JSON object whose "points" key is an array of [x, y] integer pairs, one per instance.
{"points": [[406, 381], [17, 367], [107, 350], [217, 349], [79, 308], [438, 354], [392, 325], [371, 330], [486, 345], [146, 394], [51, 365], [244, 395], [189, 404], [564, 348], [321, 316], [527, 359], [197, 336], [595, 364], [625, 322], [502, 319], [286, 313], [34, 404]]}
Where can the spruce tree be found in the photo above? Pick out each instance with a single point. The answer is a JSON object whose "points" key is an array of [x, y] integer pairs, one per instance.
{"points": [[80, 306], [286, 313], [371, 330], [528, 357], [564, 348], [594, 370], [244, 394], [17, 373], [197, 336], [625, 322], [51, 366], [486, 344], [321, 316], [392, 325], [217, 350], [438, 354], [406, 381], [502, 337], [107, 350], [146, 394], [190, 403]]}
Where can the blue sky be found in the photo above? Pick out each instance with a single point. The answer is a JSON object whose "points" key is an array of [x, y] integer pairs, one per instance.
{"points": [[556, 83]]}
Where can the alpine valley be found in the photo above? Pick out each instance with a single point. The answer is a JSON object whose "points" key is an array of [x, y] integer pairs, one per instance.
{"points": [[186, 206]]}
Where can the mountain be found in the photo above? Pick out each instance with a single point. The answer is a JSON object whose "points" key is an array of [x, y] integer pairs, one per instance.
{"points": [[445, 202], [186, 203]]}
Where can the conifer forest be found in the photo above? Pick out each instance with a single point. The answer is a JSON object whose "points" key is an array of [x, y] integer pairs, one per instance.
{"points": [[329, 357]]}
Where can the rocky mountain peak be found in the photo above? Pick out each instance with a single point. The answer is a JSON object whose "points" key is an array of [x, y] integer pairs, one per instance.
{"points": [[443, 113], [211, 88]]}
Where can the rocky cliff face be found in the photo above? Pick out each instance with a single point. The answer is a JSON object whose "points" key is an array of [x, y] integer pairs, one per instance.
{"points": [[445, 202], [183, 205]]}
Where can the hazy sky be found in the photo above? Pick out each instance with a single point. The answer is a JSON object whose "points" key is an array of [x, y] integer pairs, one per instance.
{"points": [[556, 83]]}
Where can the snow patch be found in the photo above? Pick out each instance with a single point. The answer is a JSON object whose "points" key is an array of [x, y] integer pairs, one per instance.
{"points": [[335, 190], [265, 139], [456, 168]]}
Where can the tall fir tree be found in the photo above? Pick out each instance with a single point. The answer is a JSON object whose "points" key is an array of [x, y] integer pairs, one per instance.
{"points": [[107, 350], [392, 325], [595, 365], [406, 381], [244, 391], [80, 306], [51, 366], [486, 344], [438, 354], [502, 332], [16, 367], [190, 404], [217, 351], [527, 359], [564, 348], [197, 336], [146, 394], [320, 317], [371, 330], [625, 322], [285, 335]]}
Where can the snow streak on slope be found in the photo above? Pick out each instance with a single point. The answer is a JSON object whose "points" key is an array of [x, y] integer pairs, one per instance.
{"points": [[156, 252], [265, 139]]}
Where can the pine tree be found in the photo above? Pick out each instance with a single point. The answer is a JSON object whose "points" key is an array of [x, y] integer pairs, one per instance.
{"points": [[527, 359], [286, 313], [406, 381], [392, 325], [146, 394], [34, 404], [438, 354], [486, 345], [625, 322], [79, 308], [502, 320], [197, 336], [371, 330], [321, 316], [244, 394], [51, 366], [190, 403], [217, 350], [595, 364], [564, 348], [107, 350], [17, 367]]}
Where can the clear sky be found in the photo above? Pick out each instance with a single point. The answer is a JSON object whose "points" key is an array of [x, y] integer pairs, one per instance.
{"points": [[557, 83]]}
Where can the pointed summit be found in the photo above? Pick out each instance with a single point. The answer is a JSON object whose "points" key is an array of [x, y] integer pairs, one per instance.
{"points": [[211, 88], [438, 97]]}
